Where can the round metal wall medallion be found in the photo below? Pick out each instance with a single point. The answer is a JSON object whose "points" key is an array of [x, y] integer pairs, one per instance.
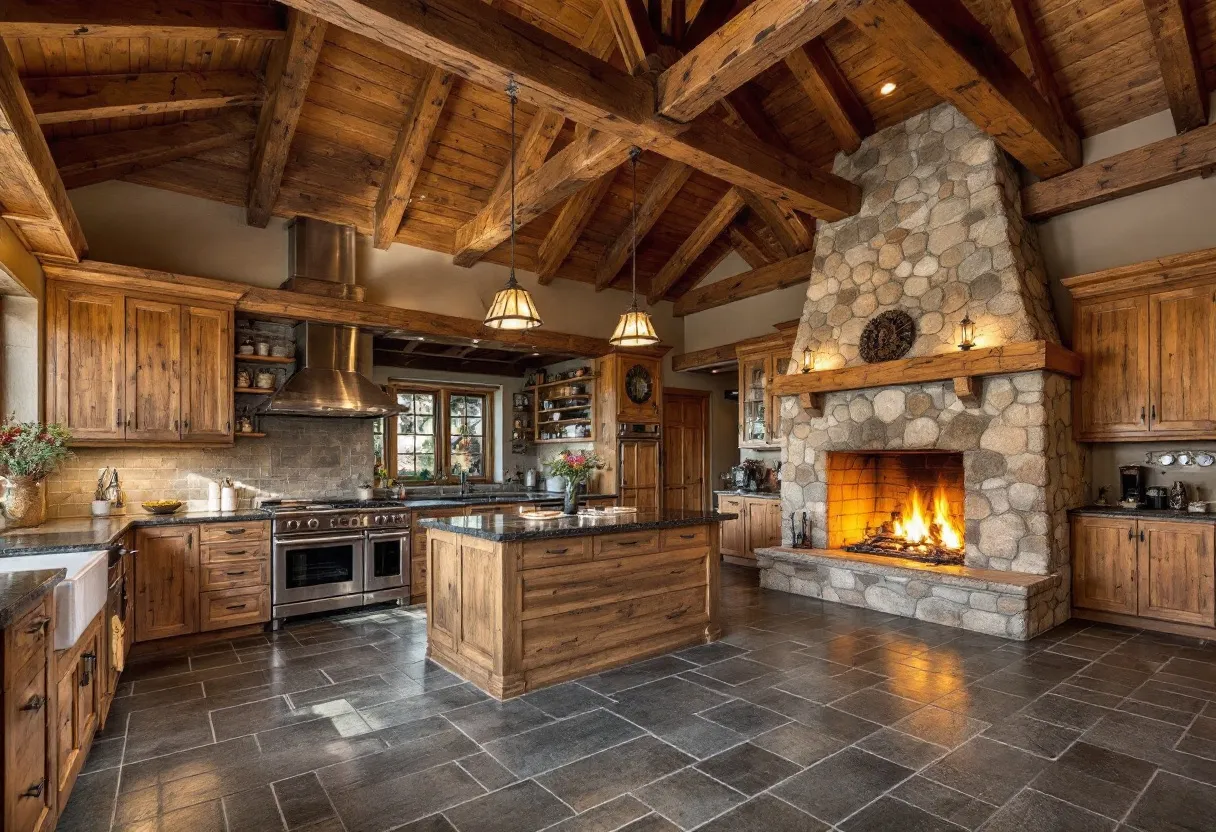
{"points": [[638, 384], [887, 336]]}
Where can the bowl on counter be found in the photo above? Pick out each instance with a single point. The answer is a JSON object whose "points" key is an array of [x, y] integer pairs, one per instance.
{"points": [[161, 506]]}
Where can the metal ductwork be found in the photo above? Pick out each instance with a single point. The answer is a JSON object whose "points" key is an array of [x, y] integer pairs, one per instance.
{"points": [[329, 382]]}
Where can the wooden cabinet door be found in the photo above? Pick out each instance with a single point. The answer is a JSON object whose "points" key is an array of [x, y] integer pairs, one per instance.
{"points": [[1176, 572], [85, 378], [779, 365], [763, 525], [1104, 564], [636, 374], [754, 401], [78, 706], [154, 367], [639, 474], [166, 582], [733, 540], [1113, 338], [1182, 326], [207, 379]]}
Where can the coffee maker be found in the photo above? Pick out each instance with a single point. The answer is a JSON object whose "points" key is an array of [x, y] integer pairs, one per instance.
{"points": [[1131, 484]]}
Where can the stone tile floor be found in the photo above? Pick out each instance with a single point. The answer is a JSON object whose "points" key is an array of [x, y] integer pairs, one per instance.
{"points": [[805, 716]]}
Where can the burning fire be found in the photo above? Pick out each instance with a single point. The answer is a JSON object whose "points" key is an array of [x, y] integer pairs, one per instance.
{"points": [[916, 528]]}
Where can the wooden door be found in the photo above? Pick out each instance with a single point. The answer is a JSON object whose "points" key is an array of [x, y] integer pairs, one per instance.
{"points": [[686, 450], [763, 524], [85, 379], [639, 474], [1182, 326], [166, 582], [1176, 572], [207, 379], [154, 368], [639, 388], [733, 539], [1113, 338], [754, 401], [1104, 564]]}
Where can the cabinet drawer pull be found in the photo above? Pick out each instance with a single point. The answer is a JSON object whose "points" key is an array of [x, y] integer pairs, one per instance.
{"points": [[556, 551], [234, 574], [1131, 534], [1142, 414], [35, 790], [624, 543], [236, 551], [237, 606], [1142, 535], [234, 531], [35, 704], [39, 626], [90, 667], [688, 537]]}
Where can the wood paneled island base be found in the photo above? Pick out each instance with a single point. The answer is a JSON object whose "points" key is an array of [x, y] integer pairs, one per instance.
{"points": [[516, 605]]}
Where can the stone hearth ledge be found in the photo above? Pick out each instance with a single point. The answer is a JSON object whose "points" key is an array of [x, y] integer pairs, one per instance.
{"points": [[1012, 605]]}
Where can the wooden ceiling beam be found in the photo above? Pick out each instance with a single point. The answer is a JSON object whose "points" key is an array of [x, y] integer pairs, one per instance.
{"points": [[831, 94], [489, 46], [713, 357], [748, 43], [569, 226], [1012, 23], [1131, 172], [409, 152], [580, 162], [663, 189], [1178, 55], [958, 58], [713, 224], [287, 81], [711, 17], [779, 275], [69, 98], [98, 158], [748, 246], [156, 19], [34, 198], [635, 36]]}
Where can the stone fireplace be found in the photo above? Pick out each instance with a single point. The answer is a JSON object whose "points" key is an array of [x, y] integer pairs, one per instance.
{"points": [[940, 236]]}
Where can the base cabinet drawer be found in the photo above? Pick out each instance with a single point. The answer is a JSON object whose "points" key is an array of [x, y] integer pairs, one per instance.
{"points": [[26, 638], [234, 607], [226, 551], [238, 573], [235, 532], [624, 545], [556, 552]]}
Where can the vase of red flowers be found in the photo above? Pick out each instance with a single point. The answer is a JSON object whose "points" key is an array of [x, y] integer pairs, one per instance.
{"points": [[29, 453], [576, 467]]}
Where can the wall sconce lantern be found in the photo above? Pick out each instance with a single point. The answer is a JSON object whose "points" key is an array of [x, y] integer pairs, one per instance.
{"points": [[808, 360], [966, 334]]}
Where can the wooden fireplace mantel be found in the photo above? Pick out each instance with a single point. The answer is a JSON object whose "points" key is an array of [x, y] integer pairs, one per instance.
{"points": [[964, 368]]}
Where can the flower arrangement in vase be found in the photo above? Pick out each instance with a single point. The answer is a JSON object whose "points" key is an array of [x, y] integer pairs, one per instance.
{"points": [[29, 453], [576, 467]]}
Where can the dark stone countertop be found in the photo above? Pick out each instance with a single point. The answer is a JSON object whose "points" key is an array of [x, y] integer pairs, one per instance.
{"points": [[490, 499], [1142, 513], [21, 590], [88, 534], [502, 528], [762, 495]]}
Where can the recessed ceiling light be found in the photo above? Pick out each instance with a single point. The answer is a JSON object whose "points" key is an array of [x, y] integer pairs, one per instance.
{"points": [[476, 340], [421, 338], [535, 354], [887, 88]]}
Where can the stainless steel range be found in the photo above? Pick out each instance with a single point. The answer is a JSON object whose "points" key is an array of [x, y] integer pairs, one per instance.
{"points": [[334, 554]]}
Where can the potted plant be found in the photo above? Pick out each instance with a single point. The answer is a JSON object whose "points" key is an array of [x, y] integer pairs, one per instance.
{"points": [[576, 467], [29, 453]]}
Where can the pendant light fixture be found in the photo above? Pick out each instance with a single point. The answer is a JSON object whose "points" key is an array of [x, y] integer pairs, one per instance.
{"points": [[513, 307], [635, 329]]}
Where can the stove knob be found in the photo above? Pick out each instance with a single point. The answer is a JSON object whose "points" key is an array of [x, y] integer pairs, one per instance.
{"points": [[292, 525], [313, 523], [378, 520]]}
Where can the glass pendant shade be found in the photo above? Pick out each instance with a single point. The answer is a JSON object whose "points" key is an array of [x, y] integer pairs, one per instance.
{"points": [[635, 329], [513, 308]]}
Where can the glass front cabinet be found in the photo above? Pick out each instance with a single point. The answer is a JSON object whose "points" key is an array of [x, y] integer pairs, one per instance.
{"points": [[759, 408]]}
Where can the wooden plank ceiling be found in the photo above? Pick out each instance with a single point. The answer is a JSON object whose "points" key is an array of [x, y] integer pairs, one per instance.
{"points": [[334, 119]]}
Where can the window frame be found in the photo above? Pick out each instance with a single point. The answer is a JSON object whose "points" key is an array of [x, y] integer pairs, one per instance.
{"points": [[443, 417]]}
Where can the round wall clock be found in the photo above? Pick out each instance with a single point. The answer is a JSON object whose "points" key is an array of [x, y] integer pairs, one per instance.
{"points": [[887, 336], [639, 385]]}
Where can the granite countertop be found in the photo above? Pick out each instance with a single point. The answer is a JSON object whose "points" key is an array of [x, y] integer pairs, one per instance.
{"points": [[510, 527], [491, 499], [1143, 513], [21, 590], [87, 534], [762, 495]]}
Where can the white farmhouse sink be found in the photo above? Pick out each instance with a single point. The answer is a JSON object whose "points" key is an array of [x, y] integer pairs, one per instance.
{"points": [[80, 596]]}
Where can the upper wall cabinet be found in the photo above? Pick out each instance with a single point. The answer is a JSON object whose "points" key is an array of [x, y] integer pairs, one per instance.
{"points": [[638, 382], [1148, 339], [126, 364], [759, 408]]}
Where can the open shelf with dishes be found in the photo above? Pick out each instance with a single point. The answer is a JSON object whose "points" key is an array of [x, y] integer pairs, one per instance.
{"points": [[256, 377], [564, 409]]}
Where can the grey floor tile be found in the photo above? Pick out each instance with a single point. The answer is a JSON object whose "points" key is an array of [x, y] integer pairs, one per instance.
{"points": [[980, 703], [522, 807], [201, 817], [1035, 736], [1034, 810], [423, 705], [561, 701], [987, 770], [1174, 804], [606, 817], [877, 706], [944, 802], [838, 786], [735, 671], [254, 810], [302, 801], [744, 718], [387, 765], [362, 692], [613, 772], [487, 771], [696, 736], [1063, 710], [715, 651], [662, 701], [689, 798], [748, 768], [154, 733], [765, 813], [903, 749], [104, 754], [91, 804], [887, 813], [1096, 779], [940, 726], [1136, 736], [388, 803], [491, 720], [651, 823], [636, 674], [559, 743], [799, 744], [267, 714]]}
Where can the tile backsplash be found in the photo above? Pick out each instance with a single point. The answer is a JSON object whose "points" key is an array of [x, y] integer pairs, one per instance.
{"points": [[298, 457]]}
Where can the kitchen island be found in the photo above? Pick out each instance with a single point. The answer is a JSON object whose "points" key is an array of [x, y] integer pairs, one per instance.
{"points": [[518, 604]]}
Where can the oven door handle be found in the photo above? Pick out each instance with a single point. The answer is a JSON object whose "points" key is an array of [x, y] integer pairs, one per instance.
{"points": [[396, 534], [313, 541]]}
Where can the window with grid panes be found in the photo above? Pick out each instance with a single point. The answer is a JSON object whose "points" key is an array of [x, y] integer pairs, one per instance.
{"points": [[438, 429]]}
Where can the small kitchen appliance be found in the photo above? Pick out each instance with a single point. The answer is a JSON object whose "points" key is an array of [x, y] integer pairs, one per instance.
{"points": [[1157, 497], [1131, 484]]}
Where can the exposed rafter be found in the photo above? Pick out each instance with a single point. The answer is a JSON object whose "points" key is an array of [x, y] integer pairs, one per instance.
{"points": [[633, 32], [1012, 23], [489, 47], [663, 189], [409, 152], [569, 225], [779, 275], [287, 80], [957, 57], [748, 246], [1178, 55], [816, 71], [189, 19], [98, 158], [711, 17], [714, 223], [68, 98], [35, 201]]}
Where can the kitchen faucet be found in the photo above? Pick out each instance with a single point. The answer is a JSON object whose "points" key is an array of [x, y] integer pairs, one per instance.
{"points": [[458, 471]]}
